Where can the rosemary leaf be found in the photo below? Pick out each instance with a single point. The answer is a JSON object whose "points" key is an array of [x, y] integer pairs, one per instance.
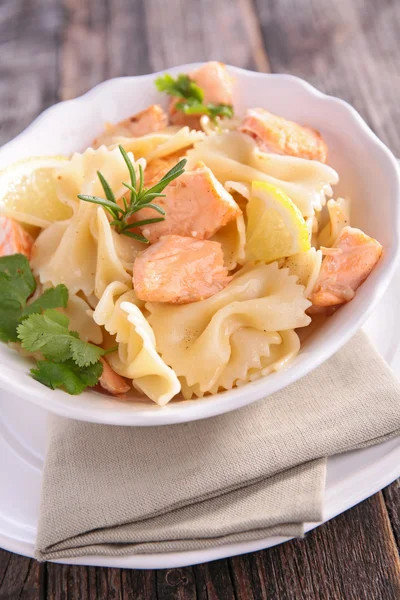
{"points": [[136, 236], [107, 190], [113, 207], [144, 222], [140, 197]]}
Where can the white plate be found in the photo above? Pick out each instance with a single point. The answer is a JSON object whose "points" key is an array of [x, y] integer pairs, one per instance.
{"points": [[352, 477]]}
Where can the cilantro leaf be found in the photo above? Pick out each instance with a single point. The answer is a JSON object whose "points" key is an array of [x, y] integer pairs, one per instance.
{"points": [[51, 298], [10, 312], [84, 353], [17, 284], [192, 95], [182, 87], [220, 110], [16, 278], [48, 333], [67, 375]]}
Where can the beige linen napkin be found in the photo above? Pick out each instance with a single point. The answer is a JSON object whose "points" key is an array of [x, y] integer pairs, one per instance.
{"points": [[246, 475]]}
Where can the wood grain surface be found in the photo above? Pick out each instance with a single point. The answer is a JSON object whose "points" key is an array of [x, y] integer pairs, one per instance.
{"points": [[52, 50]]}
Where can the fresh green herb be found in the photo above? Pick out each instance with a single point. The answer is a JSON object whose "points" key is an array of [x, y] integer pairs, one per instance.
{"points": [[193, 97], [140, 197], [48, 333], [67, 375], [51, 298], [17, 284], [70, 362], [182, 87]]}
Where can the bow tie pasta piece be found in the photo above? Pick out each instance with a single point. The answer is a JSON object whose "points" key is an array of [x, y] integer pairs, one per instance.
{"points": [[232, 238], [339, 217], [268, 353], [159, 145], [136, 358], [306, 266], [79, 175], [84, 253], [66, 252], [81, 319], [196, 339], [109, 267], [235, 157], [140, 362], [107, 313]]}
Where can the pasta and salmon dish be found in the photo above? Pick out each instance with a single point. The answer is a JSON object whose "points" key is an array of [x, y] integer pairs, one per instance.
{"points": [[184, 253]]}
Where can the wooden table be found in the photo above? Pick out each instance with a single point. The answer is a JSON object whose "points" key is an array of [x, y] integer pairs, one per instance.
{"points": [[51, 50]]}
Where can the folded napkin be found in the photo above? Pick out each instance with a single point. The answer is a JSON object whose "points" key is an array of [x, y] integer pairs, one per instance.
{"points": [[246, 475]]}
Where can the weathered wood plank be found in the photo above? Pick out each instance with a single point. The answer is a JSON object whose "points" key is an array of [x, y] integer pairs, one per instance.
{"points": [[64, 581], [138, 585], [214, 581], [20, 579], [175, 584], [183, 32], [28, 61], [353, 556], [349, 49], [391, 495]]}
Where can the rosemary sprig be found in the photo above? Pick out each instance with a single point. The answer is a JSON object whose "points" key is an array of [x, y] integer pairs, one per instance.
{"points": [[192, 95], [140, 197]]}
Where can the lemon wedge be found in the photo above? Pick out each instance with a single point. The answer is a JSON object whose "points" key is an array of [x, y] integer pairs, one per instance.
{"points": [[275, 226], [28, 191]]}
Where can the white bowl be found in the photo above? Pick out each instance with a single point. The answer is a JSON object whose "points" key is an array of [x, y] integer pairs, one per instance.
{"points": [[368, 174]]}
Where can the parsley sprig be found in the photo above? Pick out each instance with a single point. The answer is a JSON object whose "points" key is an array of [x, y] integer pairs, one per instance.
{"points": [[17, 284], [192, 95], [140, 197], [69, 362]]}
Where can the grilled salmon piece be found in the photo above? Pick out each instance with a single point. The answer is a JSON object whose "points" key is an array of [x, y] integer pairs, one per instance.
{"points": [[147, 121], [280, 136], [158, 167], [217, 85], [342, 273], [111, 381], [196, 205], [180, 270], [14, 239]]}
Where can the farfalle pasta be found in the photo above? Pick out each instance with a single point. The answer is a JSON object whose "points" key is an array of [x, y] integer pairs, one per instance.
{"points": [[184, 254], [136, 357], [195, 339], [234, 156]]}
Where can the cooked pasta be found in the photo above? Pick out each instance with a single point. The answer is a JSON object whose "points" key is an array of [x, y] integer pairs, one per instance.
{"points": [[136, 357], [187, 249], [195, 339]]}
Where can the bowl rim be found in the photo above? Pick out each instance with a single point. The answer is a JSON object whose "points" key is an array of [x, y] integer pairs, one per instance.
{"points": [[192, 410]]}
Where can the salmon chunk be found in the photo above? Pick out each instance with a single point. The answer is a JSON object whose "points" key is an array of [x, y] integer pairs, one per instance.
{"points": [[111, 381], [217, 85], [13, 238], [147, 121], [342, 273], [280, 136], [180, 270], [158, 167], [196, 205]]}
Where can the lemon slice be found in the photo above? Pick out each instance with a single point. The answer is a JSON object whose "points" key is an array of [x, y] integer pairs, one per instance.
{"points": [[28, 191], [275, 226]]}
